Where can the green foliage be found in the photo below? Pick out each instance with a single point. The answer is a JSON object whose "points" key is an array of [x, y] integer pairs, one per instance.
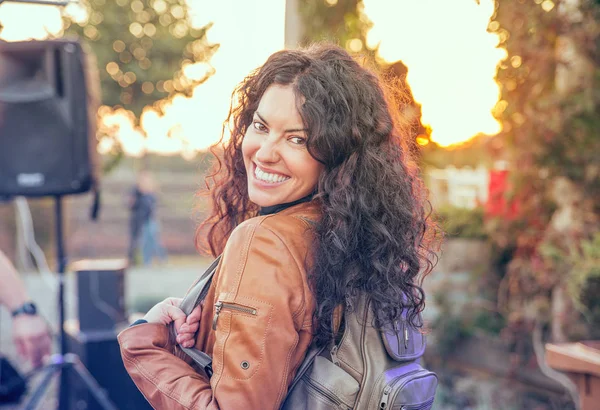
{"points": [[449, 328], [471, 153], [549, 132], [141, 48], [491, 323], [459, 222], [338, 21], [454, 324], [584, 281]]}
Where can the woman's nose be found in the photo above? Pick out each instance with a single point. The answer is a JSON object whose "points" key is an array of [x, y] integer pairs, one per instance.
{"points": [[268, 151]]}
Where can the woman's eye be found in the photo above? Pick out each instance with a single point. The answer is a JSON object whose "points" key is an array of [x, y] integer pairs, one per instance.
{"points": [[259, 126], [297, 140]]}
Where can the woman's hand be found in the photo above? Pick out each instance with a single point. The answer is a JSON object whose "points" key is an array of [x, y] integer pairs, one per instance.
{"points": [[186, 335], [32, 338], [166, 312]]}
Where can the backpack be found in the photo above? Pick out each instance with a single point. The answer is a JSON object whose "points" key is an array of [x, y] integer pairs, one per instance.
{"points": [[368, 369]]}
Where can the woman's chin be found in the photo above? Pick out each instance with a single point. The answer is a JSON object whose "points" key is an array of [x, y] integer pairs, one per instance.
{"points": [[263, 200]]}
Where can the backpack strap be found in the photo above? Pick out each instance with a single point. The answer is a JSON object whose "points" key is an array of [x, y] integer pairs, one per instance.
{"points": [[193, 298]]}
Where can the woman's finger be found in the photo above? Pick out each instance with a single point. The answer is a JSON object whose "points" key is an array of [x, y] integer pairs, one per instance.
{"points": [[191, 328], [185, 337], [175, 314], [186, 340], [194, 316], [173, 301]]}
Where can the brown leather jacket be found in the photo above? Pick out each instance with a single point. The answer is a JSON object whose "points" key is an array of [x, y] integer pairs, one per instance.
{"points": [[256, 323]]}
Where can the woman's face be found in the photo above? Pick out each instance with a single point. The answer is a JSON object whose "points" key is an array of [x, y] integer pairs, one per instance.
{"points": [[278, 164]]}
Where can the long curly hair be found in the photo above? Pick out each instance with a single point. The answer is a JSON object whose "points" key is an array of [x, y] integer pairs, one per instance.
{"points": [[375, 235]]}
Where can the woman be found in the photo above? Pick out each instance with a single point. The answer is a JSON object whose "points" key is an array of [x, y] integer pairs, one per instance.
{"points": [[317, 202]]}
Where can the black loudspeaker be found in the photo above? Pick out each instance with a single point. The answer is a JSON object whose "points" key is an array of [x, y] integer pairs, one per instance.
{"points": [[100, 294], [99, 352], [48, 103], [12, 384]]}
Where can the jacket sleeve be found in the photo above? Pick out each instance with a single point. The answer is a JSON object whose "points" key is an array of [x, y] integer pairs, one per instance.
{"points": [[260, 293]]}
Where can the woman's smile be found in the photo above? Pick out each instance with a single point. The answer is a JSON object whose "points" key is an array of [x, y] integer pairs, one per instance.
{"points": [[269, 178]]}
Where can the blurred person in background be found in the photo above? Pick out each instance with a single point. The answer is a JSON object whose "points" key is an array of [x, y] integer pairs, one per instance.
{"points": [[136, 219], [315, 202], [150, 239], [30, 331], [144, 232]]}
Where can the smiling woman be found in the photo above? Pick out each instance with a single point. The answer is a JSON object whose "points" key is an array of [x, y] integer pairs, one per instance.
{"points": [[317, 207]]}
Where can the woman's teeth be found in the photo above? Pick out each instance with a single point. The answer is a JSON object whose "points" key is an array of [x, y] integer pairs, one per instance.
{"points": [[266, 177]]}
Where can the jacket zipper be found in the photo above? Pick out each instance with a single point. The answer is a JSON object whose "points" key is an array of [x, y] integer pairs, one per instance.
{"points": [[223, 305], [388, 389], [327, 394]]}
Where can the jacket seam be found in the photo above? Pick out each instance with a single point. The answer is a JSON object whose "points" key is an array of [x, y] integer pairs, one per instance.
{"points": [[243, 260], [306, 221], [302, 304], [284, 386]]}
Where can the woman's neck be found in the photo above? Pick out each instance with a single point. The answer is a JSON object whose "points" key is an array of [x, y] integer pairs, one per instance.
{"points": [[273, 209]]}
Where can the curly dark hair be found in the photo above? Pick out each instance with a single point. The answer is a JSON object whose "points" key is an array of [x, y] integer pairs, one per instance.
{"points": [[375, 235]]}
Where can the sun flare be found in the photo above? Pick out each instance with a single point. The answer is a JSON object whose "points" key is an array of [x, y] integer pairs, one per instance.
{"points": [[450, 55], [451, 60]]}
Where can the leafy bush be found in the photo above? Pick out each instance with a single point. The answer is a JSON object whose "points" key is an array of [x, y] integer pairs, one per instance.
{"points": [[462, 222], [584, 285]]}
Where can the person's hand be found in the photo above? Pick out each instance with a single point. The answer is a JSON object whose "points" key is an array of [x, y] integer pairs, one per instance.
{"points": [[166, 312], [32, 338], [186, 335]]}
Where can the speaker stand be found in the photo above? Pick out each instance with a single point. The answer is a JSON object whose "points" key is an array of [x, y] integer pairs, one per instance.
{"points": [[64, 362]]}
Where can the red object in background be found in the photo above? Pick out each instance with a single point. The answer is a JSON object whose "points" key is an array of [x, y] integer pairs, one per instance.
{"points": [[497, 204]]}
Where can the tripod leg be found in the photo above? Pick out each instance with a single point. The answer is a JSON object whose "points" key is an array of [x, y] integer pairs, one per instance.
{"points": [[91, 384], [64, 390], [41, 388]]}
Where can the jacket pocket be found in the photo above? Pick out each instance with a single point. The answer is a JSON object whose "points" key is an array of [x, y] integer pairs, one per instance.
{"points": [[324, 387], [241, 327], [234, 307]]}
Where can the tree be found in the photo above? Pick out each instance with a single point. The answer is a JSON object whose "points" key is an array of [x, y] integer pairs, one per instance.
{"points": [[338, 21], [142, 49], [550, 112]]}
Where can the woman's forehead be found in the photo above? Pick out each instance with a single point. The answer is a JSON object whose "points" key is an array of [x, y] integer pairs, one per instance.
{"points": [[278, 107]]}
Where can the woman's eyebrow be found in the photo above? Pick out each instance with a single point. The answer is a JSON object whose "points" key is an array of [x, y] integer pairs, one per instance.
{"points": [[290, 130]]}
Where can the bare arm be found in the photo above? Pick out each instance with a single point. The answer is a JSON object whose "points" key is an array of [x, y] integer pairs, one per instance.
{"points": [[30, 332], [12, 289]]}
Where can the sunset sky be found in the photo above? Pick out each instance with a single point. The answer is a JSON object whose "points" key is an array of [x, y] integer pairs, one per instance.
{"points": [[451, 63]]}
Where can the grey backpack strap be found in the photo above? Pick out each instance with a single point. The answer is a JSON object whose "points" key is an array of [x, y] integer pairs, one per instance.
{"points": [[196, 295]]}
